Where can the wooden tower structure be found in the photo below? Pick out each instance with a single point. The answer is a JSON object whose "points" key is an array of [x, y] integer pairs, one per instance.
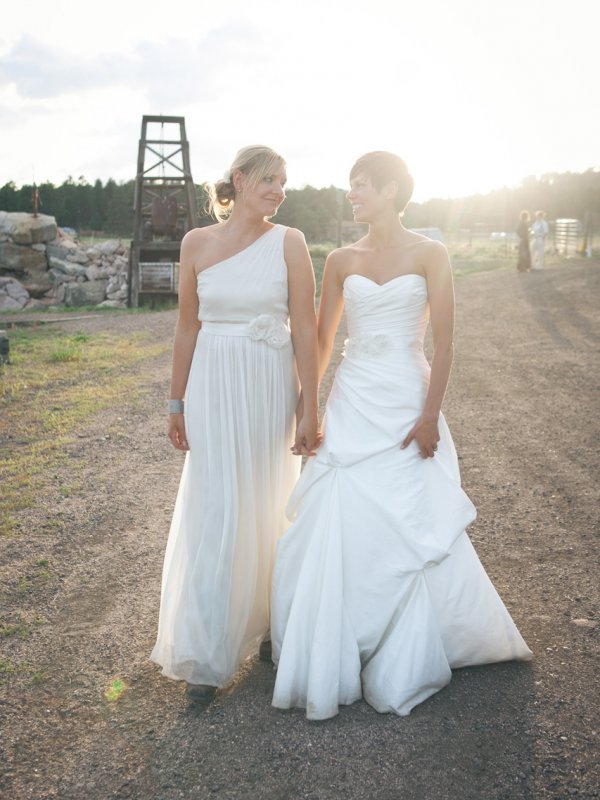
{"points": [[164, 205]]}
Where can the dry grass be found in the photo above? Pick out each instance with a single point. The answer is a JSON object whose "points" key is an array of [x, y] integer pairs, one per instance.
{"points": [[56, 382]]}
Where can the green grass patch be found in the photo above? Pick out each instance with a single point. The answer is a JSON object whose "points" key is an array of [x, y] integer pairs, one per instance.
{"points": [[69, 353], [20, 628], [54, 386], [8, 669], [70, 490], [116, 689]]}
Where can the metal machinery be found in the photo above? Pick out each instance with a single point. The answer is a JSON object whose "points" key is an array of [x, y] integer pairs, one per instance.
{"points": [[165, 208]]}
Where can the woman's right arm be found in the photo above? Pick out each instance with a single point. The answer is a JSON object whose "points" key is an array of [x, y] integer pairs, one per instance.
{"points": [[331, 306], [186, 333]]}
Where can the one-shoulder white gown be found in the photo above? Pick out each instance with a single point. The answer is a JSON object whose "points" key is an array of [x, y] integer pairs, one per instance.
{"points": [[230, 510], [377, 590]]}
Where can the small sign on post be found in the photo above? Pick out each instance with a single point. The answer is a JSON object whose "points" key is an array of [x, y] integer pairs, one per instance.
{"points": [[4, 348]]}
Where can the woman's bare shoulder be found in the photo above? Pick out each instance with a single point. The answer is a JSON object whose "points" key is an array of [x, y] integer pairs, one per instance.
{"points": [[198, 236], [293, 233], [347, 254], [434, 260], [293, 240]]}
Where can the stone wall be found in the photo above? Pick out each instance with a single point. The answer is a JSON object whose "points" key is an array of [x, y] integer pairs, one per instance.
{"points": [[55, 269]]}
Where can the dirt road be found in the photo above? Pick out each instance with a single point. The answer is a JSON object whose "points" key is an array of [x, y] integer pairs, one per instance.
{"points": [[522, 407]]}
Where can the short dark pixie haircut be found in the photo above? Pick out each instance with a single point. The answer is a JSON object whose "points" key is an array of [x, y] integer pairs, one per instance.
{"points": [[383, 167]]}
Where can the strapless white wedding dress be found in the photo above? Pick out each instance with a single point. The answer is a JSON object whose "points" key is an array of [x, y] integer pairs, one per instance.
{"points": [[377, 590]]}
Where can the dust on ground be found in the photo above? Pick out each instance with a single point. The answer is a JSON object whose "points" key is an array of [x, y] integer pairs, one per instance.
{"points": [[522, 407]]}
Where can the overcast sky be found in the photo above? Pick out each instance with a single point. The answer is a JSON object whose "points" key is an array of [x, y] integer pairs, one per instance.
{"points": [[474, 94]]}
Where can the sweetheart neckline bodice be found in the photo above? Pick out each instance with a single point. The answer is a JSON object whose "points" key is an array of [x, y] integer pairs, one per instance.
{"points": [[386, 283]]}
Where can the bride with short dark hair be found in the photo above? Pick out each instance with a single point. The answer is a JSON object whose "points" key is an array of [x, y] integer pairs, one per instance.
{"points": [[377, 590]]}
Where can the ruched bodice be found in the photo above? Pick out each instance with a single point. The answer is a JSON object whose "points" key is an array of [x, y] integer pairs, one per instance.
{"points": [[397, 308]]}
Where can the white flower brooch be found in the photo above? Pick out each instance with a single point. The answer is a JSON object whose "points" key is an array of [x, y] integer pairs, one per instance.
{"points": [[269, 329]]}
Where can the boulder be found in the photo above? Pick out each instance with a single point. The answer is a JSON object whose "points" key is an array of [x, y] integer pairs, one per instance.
{"points": [[109, 247], [17, 291], [78, 257], [111, 304], [19, 258], [121, 263], [60, 248], [24, 228], [41, 248], [8, 303], [57, 277], [114, 284], [121, 294], [84, 294], [66, 267], [37, 284], [60, 292], [13, 295], [92, 273]]}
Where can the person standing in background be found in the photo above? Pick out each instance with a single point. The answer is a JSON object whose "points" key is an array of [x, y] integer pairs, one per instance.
{"points": [[540, 232]]}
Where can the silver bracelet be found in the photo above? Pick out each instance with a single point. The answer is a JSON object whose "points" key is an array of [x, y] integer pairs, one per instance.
{"points": [[175, 406]]}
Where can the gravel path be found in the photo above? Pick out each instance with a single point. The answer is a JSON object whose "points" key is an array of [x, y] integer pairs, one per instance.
{"points": [[522, 409]]}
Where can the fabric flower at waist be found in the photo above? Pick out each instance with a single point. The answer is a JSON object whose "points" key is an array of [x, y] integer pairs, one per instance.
{"points": [[269, 329]]}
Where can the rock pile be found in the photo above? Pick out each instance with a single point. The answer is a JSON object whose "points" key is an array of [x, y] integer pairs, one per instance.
{"points": [[53, 266], [14, 296]]}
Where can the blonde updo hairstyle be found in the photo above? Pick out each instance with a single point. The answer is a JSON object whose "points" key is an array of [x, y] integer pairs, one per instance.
{"points": [[256, 162]]}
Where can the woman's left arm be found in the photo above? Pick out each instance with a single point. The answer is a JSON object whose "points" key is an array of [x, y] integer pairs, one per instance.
{"points": [[301, 302], [440, 291]]}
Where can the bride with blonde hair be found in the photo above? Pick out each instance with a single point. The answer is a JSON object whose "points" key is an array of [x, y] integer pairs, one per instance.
{"points": [[245, 342]]}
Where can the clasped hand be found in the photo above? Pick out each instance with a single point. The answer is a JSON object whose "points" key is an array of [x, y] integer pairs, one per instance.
{"points": [[308, 438]]}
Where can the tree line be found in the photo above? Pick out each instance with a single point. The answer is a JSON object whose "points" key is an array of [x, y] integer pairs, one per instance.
{"points": [[108, 207]]}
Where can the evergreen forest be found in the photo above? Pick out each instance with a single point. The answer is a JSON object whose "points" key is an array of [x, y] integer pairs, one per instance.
{"points": [[107, 208]]}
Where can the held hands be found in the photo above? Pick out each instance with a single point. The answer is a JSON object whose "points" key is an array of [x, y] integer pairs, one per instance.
{"points": [[308, 437], [426, 434], [177, 432]]}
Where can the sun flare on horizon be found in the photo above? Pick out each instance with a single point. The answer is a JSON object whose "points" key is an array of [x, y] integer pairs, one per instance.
{"points": [[470, 108]]}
